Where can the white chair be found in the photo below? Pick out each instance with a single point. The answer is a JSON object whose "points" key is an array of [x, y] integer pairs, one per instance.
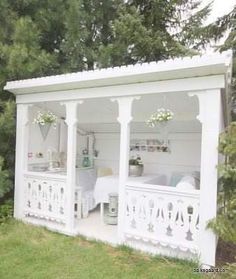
{"points": [[84, 192], [103, 172]]}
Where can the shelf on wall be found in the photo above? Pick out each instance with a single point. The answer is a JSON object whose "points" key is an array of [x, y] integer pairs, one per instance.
{"points": [[149, 145]]}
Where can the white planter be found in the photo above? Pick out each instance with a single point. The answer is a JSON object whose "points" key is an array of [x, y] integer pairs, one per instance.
{"points": [[135, 170], [44, 130]]}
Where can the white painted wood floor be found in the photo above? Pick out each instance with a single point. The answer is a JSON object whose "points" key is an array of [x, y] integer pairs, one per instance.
{"points": [[93, 228]]}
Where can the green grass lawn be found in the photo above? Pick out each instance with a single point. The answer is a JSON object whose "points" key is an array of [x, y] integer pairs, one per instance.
{"points": [[31, 252]]}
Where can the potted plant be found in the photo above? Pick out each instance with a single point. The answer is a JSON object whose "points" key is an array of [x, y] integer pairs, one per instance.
{"points": [[45, 120], [135, 166]]}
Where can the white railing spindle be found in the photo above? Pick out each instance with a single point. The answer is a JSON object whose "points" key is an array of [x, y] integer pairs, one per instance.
{"points": [[162, 214]]}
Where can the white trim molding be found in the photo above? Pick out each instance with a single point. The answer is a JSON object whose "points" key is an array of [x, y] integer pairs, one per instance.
{"points": [[210, 115], [125, 89], [124, 118], [22, 138], [71, 121]]}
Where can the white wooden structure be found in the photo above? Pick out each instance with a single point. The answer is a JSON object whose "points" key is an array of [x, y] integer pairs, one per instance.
{"points": [[112, 105]]}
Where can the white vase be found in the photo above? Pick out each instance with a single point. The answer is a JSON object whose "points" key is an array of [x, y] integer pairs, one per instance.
{"points": [[45, 129]]}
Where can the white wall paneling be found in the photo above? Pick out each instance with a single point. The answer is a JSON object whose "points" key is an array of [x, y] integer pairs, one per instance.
{"points": [[184, 156]]}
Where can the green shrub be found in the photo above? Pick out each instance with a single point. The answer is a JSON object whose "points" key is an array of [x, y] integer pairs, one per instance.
{"points": [[7, 150], [5, 182], [225, 222], [6, 211]]}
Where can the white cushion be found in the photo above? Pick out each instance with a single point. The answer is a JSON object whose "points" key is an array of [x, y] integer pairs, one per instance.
{"points": [[187, 183]]}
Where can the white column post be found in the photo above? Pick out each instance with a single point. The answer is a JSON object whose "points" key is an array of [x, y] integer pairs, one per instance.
{"points": [[21, 161], [210, 115], [124, 118], [71, 121]]}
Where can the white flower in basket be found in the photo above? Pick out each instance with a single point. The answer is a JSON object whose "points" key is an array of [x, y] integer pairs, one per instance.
{"points": [[160, 116], [45, 120]]}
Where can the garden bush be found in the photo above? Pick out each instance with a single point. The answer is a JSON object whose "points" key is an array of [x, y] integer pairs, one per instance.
{"points": [[6, 211], [225, 223]]}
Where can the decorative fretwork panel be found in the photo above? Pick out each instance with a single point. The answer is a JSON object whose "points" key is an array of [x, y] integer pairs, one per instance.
{"points": [[168, 218], [45, 198]]}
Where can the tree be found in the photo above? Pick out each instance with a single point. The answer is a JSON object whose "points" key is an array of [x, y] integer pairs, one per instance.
{"points": [[155, 30], [228, 23], [225, 223], [88, 26], [7, 140], [218, 29], [24, 57], [21, 56]]}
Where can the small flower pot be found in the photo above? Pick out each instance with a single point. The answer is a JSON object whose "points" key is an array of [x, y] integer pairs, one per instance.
{"points": [[135, 170]]}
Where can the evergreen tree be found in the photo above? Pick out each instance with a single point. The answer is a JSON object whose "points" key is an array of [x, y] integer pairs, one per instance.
{"points": [[218, 29], [88, 26], [24, 57], [7, 140], [154, 30], [225, 223], [21, 56]]}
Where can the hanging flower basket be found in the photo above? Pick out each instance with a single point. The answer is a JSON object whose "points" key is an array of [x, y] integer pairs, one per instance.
{"points": [[45, 129], [45, 120], [161, 116]]}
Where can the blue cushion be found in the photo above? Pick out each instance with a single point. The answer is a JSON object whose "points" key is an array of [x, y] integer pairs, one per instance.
{"points": [[175, 179]]}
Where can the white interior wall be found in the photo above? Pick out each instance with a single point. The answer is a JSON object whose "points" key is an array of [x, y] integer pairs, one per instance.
{"points": [[184, 156], [56, 140], [36, 142], [100, 116]]}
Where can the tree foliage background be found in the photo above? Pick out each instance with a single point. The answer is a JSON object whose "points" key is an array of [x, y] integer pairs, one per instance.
{"points": [[225, 223], [44, 37]]}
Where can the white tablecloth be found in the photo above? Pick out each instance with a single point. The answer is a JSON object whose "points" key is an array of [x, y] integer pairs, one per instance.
{"points": [[109, 184], [86, 178]]}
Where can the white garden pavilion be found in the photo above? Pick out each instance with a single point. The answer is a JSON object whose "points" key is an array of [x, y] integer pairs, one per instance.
{"points": [[111, 105]]}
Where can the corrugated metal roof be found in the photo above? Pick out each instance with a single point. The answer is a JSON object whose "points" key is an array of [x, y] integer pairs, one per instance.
{"points": [[217, 63]]}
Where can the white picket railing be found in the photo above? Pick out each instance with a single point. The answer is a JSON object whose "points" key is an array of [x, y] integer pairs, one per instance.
{"points": [[45, 196], [162, 215]]}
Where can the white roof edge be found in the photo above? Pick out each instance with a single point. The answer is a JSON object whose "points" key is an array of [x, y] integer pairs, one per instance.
{"points": [[198, 61]]}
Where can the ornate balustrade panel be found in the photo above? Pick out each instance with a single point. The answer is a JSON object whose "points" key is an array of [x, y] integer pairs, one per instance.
{"points": [[167, 217], [45, 197]]}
